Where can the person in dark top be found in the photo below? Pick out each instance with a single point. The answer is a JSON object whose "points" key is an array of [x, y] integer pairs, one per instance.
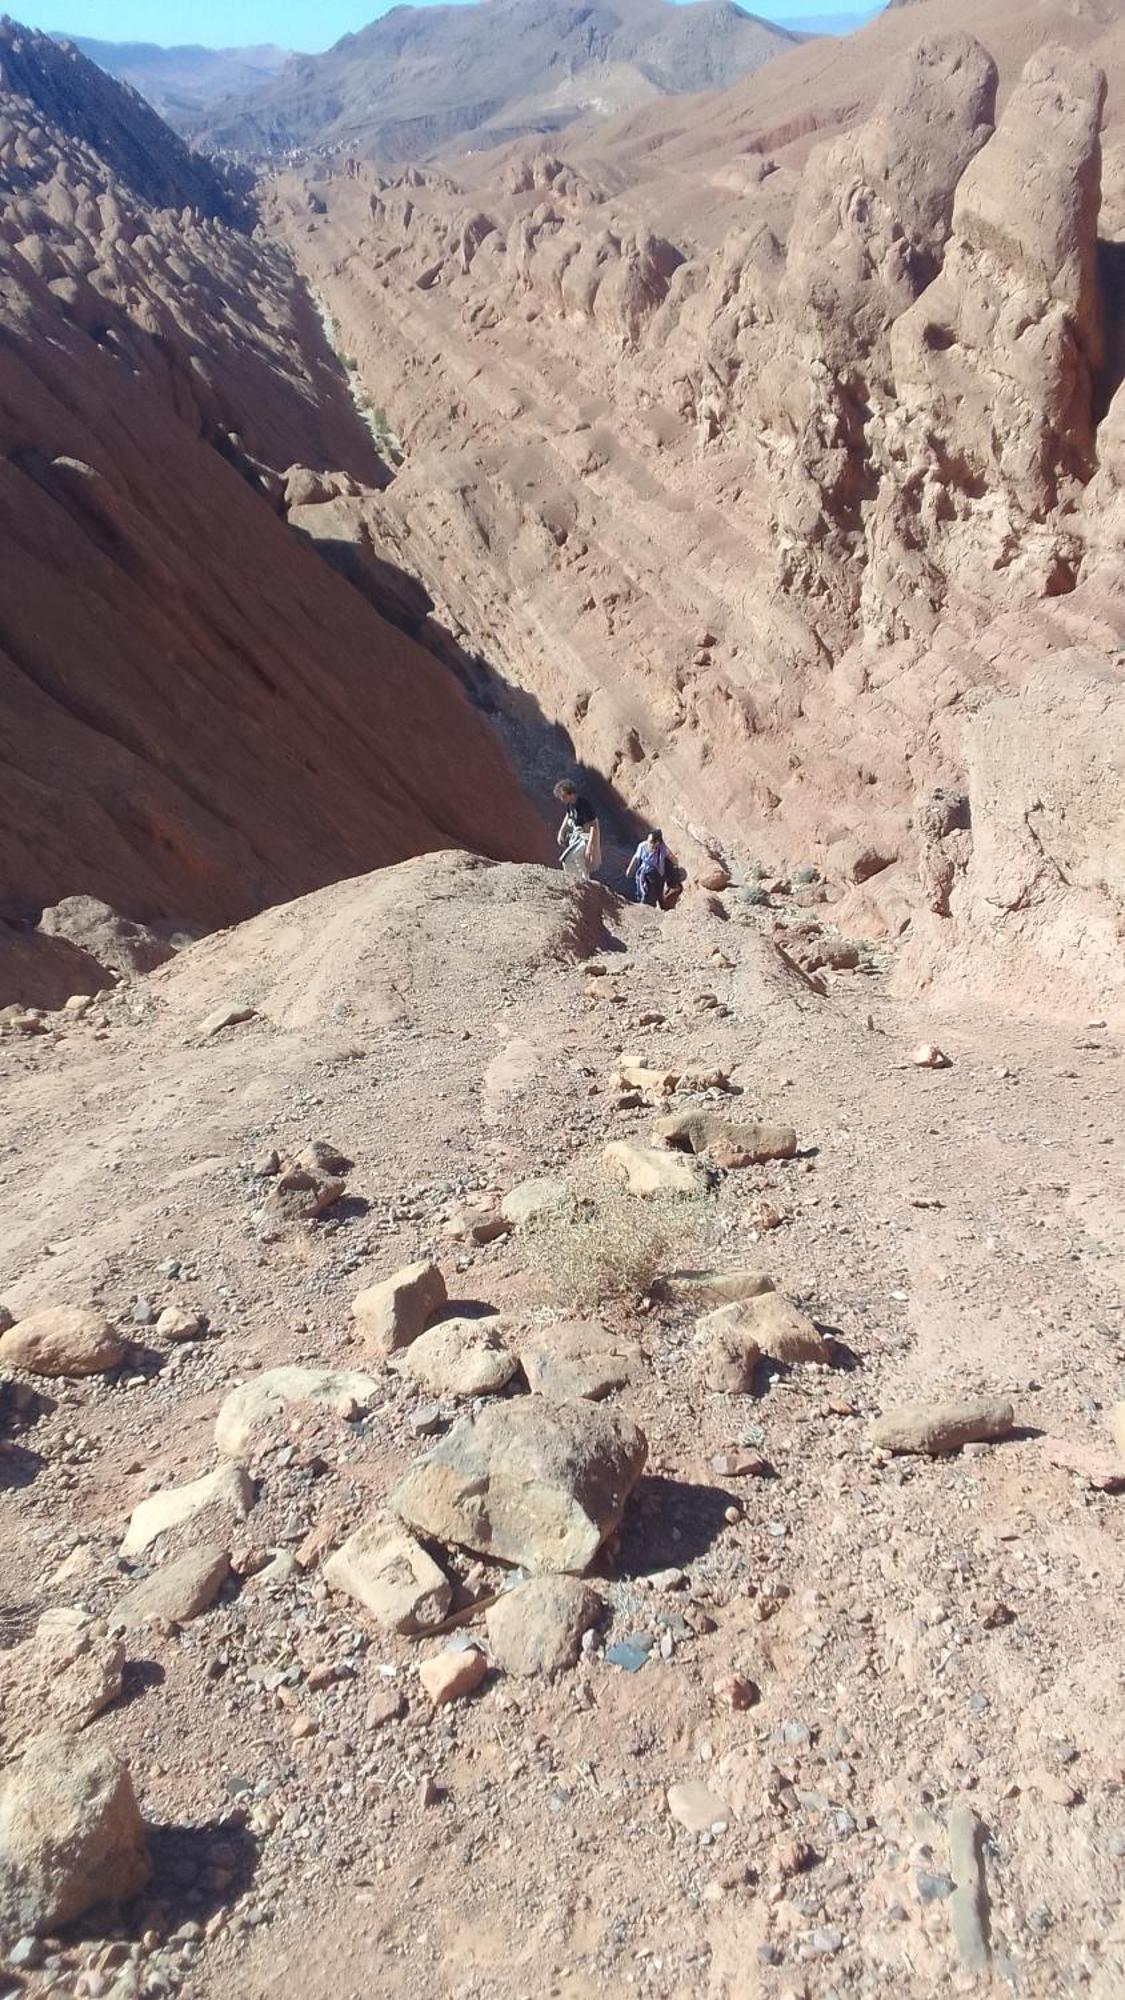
{"points": [[579, 836]]}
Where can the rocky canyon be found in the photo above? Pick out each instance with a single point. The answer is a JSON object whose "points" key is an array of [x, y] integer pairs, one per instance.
{"points": [[549, 1445]]}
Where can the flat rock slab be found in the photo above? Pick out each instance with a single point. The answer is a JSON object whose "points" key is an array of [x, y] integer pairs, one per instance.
{"points": [[578, 1357], [698, 1808], [937, 1428], [392, 1314], [397, 1583], [709, 1131], [228, 1490], [530, 1201], [648, 1170], [458, 1357], [178, 1592], [62, 1341], [277, 1392], [537, 1628], [533, 1482]]}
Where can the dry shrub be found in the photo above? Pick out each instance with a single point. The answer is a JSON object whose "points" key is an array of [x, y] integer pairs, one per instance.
{"points": [[612, 1246]]}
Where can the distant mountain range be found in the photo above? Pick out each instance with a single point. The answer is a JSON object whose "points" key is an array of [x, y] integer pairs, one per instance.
{"points": [[423, 78], [181, 82]]}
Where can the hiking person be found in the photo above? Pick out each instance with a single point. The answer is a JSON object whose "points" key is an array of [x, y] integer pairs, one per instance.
{"points": [[650, 866], [579, 836]]}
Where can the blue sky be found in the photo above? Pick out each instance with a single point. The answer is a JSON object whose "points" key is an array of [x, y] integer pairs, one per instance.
{"points": [[295, 24]]}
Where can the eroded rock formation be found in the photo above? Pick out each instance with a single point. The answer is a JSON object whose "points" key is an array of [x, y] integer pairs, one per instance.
{"points": [[764, 482]]}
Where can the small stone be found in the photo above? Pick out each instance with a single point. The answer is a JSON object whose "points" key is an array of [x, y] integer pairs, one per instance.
{"points": [[176, 1324], [537, 1628], [532, 1482], [741, 1141], [735, 1691], [697, 1808], [144, 1313], [304, 1725], [320, 1156], [178, 1592], [630, 1653], [392, 1314], [266, 1164], [225, 1017], [277, 1392], [450, 1675], [427, 1420], [928, 1056], [1050, 1785], [387, 1704], [578, 1358], [62, 1341], [933, 1888], [968, 1905], [741, 1465], [26, 1954]]}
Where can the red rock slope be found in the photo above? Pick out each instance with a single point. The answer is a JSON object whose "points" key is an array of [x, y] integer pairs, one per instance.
{"points": [[197, 715]]}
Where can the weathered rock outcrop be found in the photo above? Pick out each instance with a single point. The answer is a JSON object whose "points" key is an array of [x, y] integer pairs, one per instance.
{"points": [[784, 462]]}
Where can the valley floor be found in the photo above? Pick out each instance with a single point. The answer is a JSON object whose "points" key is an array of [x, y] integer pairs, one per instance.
{"points": [[924, 1635]]}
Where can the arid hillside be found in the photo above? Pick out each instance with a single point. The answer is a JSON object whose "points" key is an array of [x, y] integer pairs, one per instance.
{"points": [[786, 477], [198, 714]]}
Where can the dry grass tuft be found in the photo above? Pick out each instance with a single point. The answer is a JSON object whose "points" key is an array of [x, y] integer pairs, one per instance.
{"points": [[613, 1246]]}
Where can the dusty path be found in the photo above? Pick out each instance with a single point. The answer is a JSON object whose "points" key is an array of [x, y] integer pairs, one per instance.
{"points": [[921, 1633]]}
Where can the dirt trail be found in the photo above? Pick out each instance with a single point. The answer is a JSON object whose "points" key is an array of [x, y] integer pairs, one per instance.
{"points": [[920, 1633]]}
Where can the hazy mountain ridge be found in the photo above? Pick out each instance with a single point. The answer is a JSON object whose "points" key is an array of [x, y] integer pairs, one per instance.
{"points": [[184, 79], [419, 78]]}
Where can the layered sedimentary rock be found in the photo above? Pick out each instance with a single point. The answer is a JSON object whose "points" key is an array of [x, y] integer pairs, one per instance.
{"points": [[762, 481]]}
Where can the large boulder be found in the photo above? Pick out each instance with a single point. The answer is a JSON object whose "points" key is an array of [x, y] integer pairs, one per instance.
{"points": [[62, 1340], [533, 1482], [392, 1314], [458, 1357], [277, 1392], [71, 1834]]}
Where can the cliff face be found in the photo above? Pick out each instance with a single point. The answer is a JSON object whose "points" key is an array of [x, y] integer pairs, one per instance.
{"points": [[765, 479], [198, 715]]}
